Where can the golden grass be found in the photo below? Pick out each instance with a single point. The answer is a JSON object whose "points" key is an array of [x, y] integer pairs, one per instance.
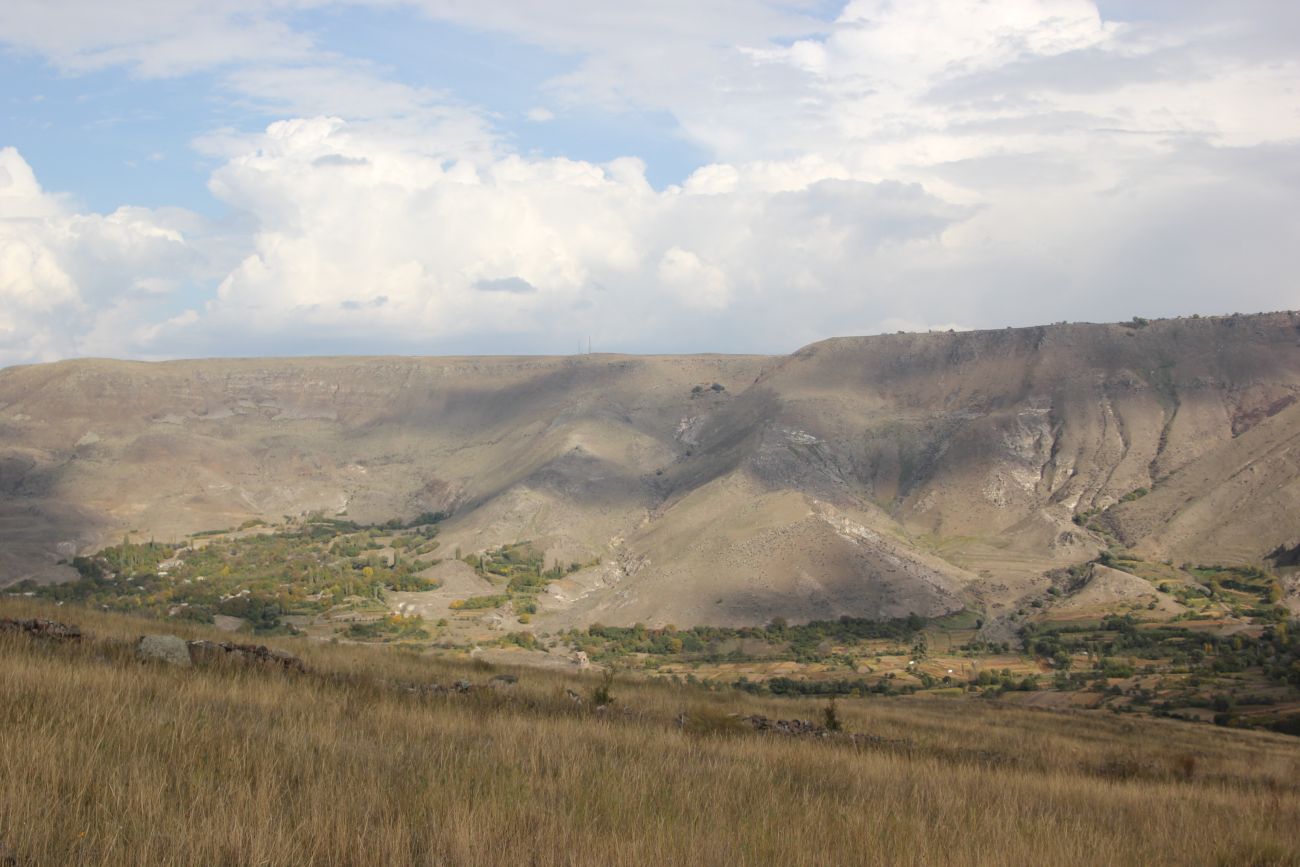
{"points": [[105, 760]]}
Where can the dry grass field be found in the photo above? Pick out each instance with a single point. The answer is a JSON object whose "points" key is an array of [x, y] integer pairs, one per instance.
{"points": [[108, 760]]}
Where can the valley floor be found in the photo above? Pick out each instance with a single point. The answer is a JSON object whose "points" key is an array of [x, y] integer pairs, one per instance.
{"points": [[383, 756], [1205, 643]]}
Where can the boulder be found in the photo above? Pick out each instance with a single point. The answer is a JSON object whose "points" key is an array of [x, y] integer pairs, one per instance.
{"points": [[164, 648]]}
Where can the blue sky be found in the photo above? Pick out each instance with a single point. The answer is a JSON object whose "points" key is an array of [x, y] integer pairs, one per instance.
{"points": [[141, 132], [142, 128], [506, 77], [303, 176], [135, 119]]}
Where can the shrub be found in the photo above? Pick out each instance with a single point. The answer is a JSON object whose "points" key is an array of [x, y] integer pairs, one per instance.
{"points": [[478, 602], [831, 717], [600, 693], [526, 640], [1115, 668]]}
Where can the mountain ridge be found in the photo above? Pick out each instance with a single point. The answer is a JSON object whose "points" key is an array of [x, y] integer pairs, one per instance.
{"points": [[863, 476]]}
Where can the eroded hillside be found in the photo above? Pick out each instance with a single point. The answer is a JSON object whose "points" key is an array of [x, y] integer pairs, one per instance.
{"points": [[871, 476]]}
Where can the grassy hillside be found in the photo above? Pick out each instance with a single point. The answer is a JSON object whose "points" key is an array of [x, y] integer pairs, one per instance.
{"points": [[106, 760]]}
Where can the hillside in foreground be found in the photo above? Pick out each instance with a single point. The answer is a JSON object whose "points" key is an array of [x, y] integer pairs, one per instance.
{"points": [[376, 756]]}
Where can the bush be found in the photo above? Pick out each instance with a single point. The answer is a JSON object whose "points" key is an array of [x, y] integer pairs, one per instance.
{"points": [[600, 693], [1115, 668], [831, 717], [474, 603]]}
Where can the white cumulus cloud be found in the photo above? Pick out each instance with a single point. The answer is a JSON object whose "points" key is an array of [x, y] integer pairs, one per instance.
{"points": [[360, 228], [62, 272], [896, 164]]}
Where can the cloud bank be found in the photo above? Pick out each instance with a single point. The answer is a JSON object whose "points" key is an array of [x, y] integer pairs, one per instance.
{"points": [[928, 164]]}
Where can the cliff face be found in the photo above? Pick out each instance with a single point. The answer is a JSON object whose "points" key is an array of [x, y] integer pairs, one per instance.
{"points": [[868, 476], [977, 434]]}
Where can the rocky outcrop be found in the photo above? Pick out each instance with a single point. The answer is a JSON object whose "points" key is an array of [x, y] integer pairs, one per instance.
{"points": [[172, 650], [257, 654], [38, 628], [786, 726], [166, 649]]}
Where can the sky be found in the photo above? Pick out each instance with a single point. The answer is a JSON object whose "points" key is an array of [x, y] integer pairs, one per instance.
{"points": [[190, 178]]}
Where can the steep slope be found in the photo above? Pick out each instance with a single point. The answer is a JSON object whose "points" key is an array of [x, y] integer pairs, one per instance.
{"points": [[1235, 503], [986, 445], [862, 476]]}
